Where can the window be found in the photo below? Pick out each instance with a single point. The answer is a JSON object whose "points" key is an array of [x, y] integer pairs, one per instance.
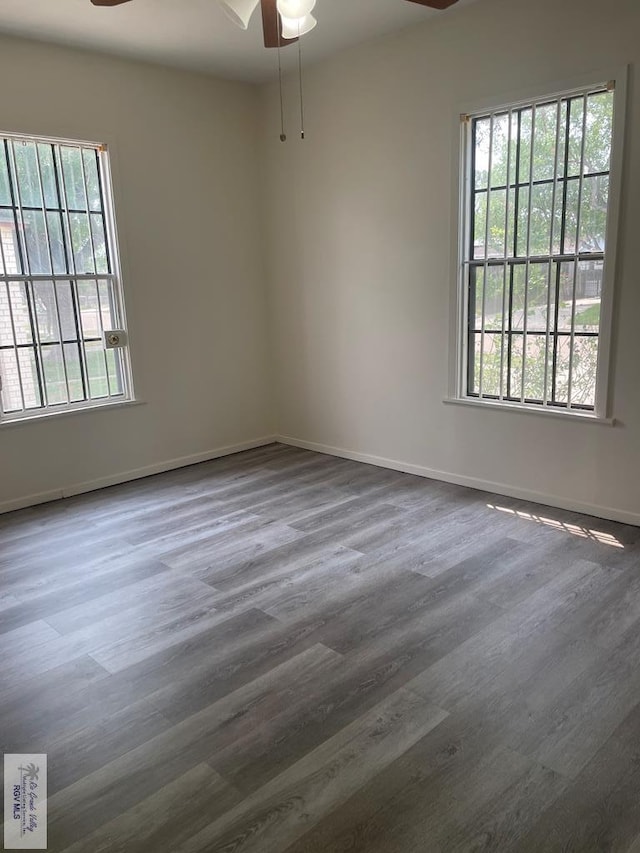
{"points": [[62, 324], [537, 261]]}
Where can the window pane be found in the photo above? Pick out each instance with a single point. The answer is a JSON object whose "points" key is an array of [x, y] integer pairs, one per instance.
{"points": [[476, 285], [571, 217], [565, 305], [29, 375], [93, 182], [46, 314], [6, 331], [89, 309], [544, 148], [491, 365], [81, 242], [522, 221], [5, 193], [497, 220], [96, 370], [588, 296], [588, 292], [26, 164], [518, 286], [11, 395], [480, 225], [114, 366], [21, 313], [584, 371], [72, 176], [500, 151], [599, 133], [107, 306], [538, 298], [489, 355], [74, 373], [556, 246], [66, 309], [481, 152], [36, 239], [513, 159], [535, 367], [563, 357], [515, 367], [47, 171], [57, 243], [474, 363], [524, 163], [541, 219], [9, 253], [562, 140], [494, 298], [593, 214], [99, 243], [53, 367], [575, 136], [511, 223]]}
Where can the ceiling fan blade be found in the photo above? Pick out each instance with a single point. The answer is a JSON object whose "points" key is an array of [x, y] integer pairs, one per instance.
{"points": [[435, 4], [108, 2], [271, 25]]}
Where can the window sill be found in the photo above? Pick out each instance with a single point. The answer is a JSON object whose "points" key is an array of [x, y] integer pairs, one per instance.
{"points": [[64, 413], [583, 417]]}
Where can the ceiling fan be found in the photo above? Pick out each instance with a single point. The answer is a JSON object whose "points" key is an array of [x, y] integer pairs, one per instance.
{"points": [[279, 29]]}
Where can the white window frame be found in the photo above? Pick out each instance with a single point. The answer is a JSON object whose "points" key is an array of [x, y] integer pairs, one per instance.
{"points": [[616, 80], [127, 397]]}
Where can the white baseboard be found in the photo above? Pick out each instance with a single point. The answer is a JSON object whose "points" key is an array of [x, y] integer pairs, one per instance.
{"points": [[135, 474], [611, 513], [30, 500]]}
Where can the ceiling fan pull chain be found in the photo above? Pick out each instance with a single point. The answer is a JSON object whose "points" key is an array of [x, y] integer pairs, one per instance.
{"points": [[301, 85], [283, 135]]}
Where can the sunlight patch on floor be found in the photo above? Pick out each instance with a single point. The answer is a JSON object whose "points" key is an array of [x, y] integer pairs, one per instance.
{"points": [[574, 529]]}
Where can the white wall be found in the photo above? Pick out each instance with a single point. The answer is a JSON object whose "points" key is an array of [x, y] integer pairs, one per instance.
{"points": [[360, 252], [184, 153], [358, 222]]}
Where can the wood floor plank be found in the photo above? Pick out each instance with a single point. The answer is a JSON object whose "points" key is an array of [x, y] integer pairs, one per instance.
{"points": [[470, 801], [279, 812], [287, 588], [163, 757], [252, 538], [37, 711], [566, 736], [164, 820], [161, 591], [599, 810], [356, 682], [241, 571], [83, 591]]}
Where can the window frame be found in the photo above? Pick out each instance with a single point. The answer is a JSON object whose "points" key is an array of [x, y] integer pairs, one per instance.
{"points": [[107, 189], [463, 176]]}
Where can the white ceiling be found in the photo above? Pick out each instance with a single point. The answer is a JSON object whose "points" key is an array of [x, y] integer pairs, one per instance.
{"points": [[196, 34]]}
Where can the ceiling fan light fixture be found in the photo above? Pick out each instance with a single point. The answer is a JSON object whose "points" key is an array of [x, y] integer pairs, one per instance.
{"points": [[239, 11], [294, 27], [295, 9]]}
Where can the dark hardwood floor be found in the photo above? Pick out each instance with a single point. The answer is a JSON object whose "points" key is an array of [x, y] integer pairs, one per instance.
{"points": [[284, 652]]}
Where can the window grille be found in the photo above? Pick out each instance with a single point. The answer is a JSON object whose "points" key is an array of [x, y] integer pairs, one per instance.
{"points": [[60, 289], [535, 225]]}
